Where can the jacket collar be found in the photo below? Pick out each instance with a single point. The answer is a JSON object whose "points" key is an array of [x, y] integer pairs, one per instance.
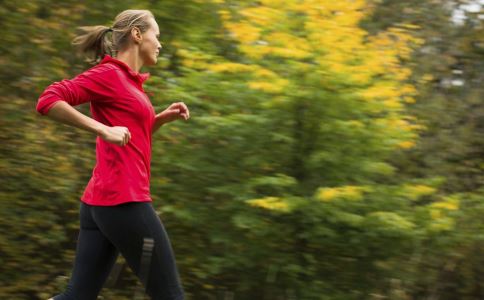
{"points": [[139, 77]]}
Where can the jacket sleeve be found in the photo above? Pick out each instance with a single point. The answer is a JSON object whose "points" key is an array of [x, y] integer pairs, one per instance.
{"points": [[91, 85]]}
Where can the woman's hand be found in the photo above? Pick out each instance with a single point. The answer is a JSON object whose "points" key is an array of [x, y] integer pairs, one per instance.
{"points": [[175, 111], [118, 135]]}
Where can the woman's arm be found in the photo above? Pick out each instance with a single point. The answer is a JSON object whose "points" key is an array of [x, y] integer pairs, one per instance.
{"points": [[159, 121], [63, 112], [58, 99], [175, 111]]}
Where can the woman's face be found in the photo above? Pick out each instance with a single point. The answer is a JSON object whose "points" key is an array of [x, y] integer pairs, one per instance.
{"points": [[150, 45]]}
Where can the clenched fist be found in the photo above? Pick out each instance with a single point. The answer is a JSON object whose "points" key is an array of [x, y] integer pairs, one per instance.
{"points": [[118, 135], [177, 110]]}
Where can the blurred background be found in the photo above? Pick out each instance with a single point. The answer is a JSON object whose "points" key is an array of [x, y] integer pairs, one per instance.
{"points": [[334, 150]]}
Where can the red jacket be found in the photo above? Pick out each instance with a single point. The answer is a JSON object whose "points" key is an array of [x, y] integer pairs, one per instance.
{"points": [[117, 98]]}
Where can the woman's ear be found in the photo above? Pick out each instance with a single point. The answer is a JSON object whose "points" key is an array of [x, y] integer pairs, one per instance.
{"points": [[136, 35]]}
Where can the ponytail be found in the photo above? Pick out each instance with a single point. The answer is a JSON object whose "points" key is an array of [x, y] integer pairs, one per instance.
{"points": [[97, 41], [94, 42]]}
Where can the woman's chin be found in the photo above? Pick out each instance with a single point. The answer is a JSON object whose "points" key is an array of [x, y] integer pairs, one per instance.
{"points": [[151, 61], [155, 59]]}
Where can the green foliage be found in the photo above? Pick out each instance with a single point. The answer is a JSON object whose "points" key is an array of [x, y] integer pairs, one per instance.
{"points": [[306, 170]]}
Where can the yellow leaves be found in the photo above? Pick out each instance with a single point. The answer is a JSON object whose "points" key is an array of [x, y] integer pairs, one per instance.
{"points": [[403, 74], [404, 38], [270, 203], [261, 72], [394, 123], [275, 86], [229, 67], [277, 44], [393, 126], [192, 54], [224, 15], [408, 89], [360, 77], [259, 51], [276, 3], [326, 37], [194, 64], [288, 41], [327, 194], [244, 32], [387, 48], [410, 26], [348, 18], [421, 190], [415, 192], [406, 144], [344, 192], [439, 214], [272, 83], [382, 90], [427, 78], [440, 220], [449, 203], [435, 214], [287, 52], [329, 35], [261, 15], [327, 9], [264, 79], [392, 104], [193, 58], [409, 100]]}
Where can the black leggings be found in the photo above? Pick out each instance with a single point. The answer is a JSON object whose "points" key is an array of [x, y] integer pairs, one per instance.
{"points": [[107, 230]]}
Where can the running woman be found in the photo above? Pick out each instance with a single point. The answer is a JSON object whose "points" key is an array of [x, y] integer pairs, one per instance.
{"points": [[116, 212]]}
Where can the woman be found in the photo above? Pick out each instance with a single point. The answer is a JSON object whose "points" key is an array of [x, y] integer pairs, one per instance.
{"points": [[116, 213]]}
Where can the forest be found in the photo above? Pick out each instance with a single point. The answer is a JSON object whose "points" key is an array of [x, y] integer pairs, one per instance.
{"points": [[335, 149]]}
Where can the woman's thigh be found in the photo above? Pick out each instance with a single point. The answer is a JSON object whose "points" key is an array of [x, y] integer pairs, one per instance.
{"points": [[95, 256], [128, 226]]}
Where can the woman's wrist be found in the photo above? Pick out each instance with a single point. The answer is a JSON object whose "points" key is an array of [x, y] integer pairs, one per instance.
{"points": [[100, 129], [160, 119]]}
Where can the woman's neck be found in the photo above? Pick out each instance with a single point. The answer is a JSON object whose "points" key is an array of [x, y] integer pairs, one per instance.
{"points": [[131, 58]]}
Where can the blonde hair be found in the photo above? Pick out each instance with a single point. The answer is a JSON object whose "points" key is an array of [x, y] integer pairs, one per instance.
{"points": [[95, 43]]}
